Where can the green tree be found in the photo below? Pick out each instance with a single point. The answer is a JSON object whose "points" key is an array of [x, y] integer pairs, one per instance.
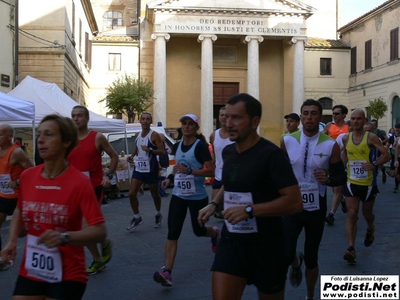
{"points": [[129, 96], [377, 108]]}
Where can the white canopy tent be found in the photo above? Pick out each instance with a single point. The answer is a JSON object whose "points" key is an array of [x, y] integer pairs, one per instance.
{"points": [[14, 109], [49, 99]]}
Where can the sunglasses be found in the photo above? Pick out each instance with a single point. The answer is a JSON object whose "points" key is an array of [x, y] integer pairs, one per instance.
{"points": [[336, 113]]}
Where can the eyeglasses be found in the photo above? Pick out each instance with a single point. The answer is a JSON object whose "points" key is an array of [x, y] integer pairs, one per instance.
{"points": [[336, 113]]}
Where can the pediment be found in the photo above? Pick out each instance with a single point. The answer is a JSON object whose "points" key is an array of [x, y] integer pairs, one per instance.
{"points": [[233, 6]]}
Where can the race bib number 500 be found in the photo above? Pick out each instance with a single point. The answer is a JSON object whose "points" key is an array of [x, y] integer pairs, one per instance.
{"points": [[42, 262]]}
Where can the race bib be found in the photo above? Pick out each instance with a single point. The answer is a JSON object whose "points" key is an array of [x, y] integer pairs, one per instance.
{"points": [[310, 195], [4, 180], [184, 184], [142, 164], [42, 262], [240, 199], [356, 170]]}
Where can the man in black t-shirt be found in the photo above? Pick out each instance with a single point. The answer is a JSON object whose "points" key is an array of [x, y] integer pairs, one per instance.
{"points": [[384, 138], [259, 187]]}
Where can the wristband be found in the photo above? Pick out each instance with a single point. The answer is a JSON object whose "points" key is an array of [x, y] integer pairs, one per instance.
{"points": [[189, 171], [328, 180], [171, 177], [214, 203]]}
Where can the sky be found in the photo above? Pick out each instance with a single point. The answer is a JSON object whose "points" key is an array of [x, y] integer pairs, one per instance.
{"points": [[353, 9]]}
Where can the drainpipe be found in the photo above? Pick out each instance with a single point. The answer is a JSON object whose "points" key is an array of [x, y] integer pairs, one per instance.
{"points": [[16, 44]]}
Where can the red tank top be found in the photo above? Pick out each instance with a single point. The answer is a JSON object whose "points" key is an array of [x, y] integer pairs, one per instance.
{"points": [[8, 173], [87, 159]]}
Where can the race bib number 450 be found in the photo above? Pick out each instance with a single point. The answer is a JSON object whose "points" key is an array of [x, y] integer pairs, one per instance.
{"points": [[185, 184], [42, 262]]}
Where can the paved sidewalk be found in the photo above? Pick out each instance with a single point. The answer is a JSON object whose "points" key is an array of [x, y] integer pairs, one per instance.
{"points": [[137, 255]]}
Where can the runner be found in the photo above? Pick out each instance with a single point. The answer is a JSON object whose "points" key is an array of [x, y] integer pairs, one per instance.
{"points": [[396, 157], [251, 248], [384, 138], [13, 160], [86, 157], [360, 156], [54, 198], [316, 162], [334, 130], [292, 122], [189, 192], [219, 139], [147, 146]]}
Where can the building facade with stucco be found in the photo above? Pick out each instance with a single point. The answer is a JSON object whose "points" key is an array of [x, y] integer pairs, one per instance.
{"points": [[374, 67], [8, 45]]}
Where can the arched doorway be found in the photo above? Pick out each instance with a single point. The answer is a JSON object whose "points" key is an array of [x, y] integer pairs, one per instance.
{"points": [[395, 110]]}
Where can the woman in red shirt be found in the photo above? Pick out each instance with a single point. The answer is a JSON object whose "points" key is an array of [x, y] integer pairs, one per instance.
{"points": [[54, 198]]}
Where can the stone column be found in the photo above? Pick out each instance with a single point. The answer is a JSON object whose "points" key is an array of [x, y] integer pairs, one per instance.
{"points": [[207, 100], [298, 73], [160, 77], [253, 65]]}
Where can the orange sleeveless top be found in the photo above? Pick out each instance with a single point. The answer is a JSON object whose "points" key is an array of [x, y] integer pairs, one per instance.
{"points": [[335, 130], [8, 173]]}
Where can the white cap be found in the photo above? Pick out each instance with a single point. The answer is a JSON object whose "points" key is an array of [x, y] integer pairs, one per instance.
{"points": [[190, 116]]}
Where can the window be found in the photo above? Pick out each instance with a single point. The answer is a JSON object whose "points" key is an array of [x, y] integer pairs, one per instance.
{"points": [[325, 66], [80, 37], [394, 44], [326, 103], [114, 61], [368, 54], [112, 20], [88, 50], [353, 67]]}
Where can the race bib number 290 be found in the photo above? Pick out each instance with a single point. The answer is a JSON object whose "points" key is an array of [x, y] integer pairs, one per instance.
{"points": [[42, 262]]}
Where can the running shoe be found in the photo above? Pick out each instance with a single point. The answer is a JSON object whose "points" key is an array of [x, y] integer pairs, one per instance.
{"points": [[383, 178], [350, 255], [296, 275], [141, 190], [215, 241], [163, 277], [4, 267], [106, 253], [218, 215], [369, 237], [330, 219], [158, 221], [95, 267], [344, 206], [395, 191], [134, 223]]}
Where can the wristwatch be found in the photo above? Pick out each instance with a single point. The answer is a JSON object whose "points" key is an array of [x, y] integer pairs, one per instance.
{"points": [[65, 238], [249, 211], [110, 176]]}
